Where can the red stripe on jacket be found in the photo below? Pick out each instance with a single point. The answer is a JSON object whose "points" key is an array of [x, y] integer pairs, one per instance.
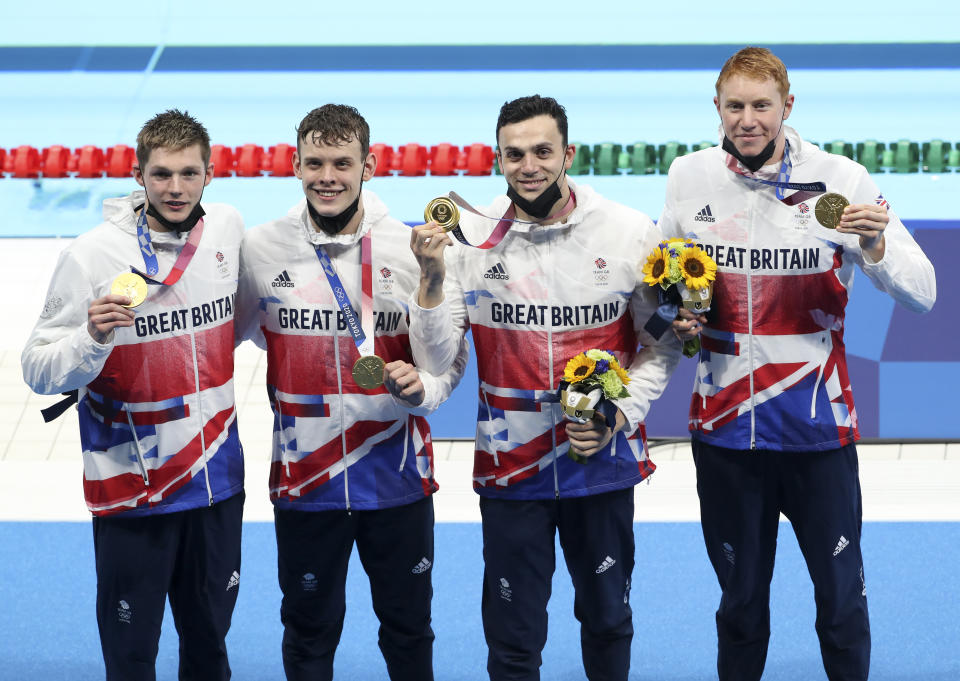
{"points": [[305, 364], [738, 392], [519, 359], [771, 296], [322, 458], [126, 486], [157, 370], [516, 459]]}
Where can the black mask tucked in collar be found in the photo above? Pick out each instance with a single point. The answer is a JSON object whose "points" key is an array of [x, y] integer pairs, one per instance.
{"points": [[751, 163], [334, 225], [184, 225], [540, 206]]}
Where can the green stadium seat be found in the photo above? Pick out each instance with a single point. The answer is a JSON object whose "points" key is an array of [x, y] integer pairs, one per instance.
{"points": [[887, 160], [700, 146], [643, 158], [870, 154], [906, 156], [840, 148], [668, 152], [935, 156], [953, 159], [606, 157], [581, 161]]}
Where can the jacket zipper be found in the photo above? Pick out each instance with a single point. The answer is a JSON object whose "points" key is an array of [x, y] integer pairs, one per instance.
{"points": [[203, 440], [486, 404], [553, 412], [343, 433], [406, 441], [816, 387], [136, 440], [750, 368], [284, 445]]}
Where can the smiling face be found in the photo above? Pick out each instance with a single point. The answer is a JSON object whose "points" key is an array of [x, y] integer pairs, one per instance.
{"points": [[174, 182], [532, 156], [752, 113], [331, 175]]}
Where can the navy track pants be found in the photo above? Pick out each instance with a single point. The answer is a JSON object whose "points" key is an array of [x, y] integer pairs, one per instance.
{"points": [[742, 494], [596, 536], [395, 546], [191, 556]]}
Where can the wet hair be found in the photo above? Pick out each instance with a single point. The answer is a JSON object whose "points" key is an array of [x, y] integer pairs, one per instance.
{"points": [[174, 130], [335, 124], [525, 108], [757, 63]]}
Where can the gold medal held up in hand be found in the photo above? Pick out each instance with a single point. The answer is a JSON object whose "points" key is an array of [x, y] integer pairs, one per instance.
{"points": [[444, 212], [368, 372], [130, 285], [829, 209]]}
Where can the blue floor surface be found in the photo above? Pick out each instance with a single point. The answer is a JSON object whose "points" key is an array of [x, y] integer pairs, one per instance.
{"points": [[48, 626]]}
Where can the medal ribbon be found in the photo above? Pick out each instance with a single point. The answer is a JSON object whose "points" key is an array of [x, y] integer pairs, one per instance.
{"points": [[506, 222], [362, 330], [150, 257], [806, 190], [150, 264]]}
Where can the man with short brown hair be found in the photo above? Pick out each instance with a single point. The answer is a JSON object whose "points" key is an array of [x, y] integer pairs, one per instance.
{"points": [[324, 291], [563, 280], [139, 322]]}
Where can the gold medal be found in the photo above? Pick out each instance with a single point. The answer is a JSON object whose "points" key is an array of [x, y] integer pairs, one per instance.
{"points": [[444, 212], [829, 209], [130, 285], [368, 372]]}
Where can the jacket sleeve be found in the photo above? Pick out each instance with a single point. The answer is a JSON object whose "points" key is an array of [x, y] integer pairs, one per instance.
{"points": [[436, 334], [247, 310], [668, 224], [60, 354], [438, 388], [904, 272], [656, 359]]}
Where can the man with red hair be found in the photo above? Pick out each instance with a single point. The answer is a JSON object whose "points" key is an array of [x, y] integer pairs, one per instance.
{"points": [[772, 416]]}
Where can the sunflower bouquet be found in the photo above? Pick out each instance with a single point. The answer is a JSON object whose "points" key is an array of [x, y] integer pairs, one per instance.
{"points": [[685, 274], [591, 380]]}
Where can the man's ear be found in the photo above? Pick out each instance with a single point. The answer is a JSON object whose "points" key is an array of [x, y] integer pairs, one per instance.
{"points": [[369, 166]]}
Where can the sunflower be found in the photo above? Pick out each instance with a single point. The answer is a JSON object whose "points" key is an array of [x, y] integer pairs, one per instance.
{"points": [[624, 377], [698, 268], [657, 267], [578, 368]]}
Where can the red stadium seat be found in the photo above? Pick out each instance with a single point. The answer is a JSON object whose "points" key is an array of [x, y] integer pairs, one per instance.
{"points": [[56, 161], [26, 161], [479, 159], [279, 161], [249, 160], [89, 162], [385, 156], [120, 160], [3, 161], [443, 159], [223, 161], [413, 160]]}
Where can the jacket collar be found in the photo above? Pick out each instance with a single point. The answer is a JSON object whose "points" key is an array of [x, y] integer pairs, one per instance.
{"points": [[120, 211]]}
